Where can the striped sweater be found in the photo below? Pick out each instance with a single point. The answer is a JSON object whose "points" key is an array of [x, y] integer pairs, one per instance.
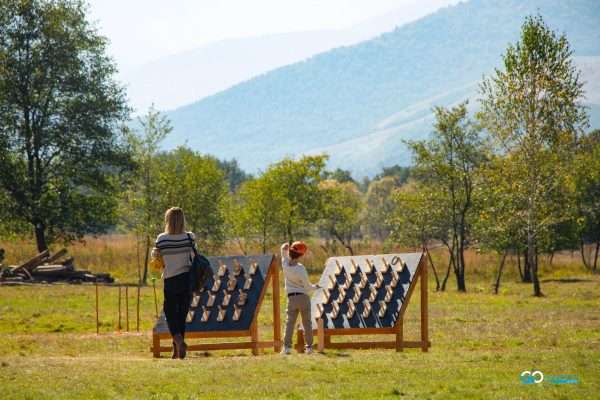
{"points": [[176, 251]]}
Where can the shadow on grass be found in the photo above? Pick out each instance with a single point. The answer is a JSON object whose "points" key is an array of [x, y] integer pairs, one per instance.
{"points": [[567, 280]]}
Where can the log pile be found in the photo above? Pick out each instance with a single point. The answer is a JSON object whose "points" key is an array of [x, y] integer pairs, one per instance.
{"points": [[46, 268]]}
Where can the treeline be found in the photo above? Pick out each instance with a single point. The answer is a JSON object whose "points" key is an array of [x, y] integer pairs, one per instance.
{"points": [[519, 177], [291, 199]]}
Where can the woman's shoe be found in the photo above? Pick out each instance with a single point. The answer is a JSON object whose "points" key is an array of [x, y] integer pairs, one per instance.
{"points": [[175, 351], [181, 345]]}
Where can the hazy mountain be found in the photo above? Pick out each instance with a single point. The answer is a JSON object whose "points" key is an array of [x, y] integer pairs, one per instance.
{"points": [[359, 102], [173, 81]]}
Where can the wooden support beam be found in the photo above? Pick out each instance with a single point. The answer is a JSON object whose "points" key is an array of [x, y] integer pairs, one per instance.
{"points": [[399, 333], [276, 307], [254, 336], [55, 256], [156, 346], [321, 335], [300, 340], [204, 335], [32, 262], [424, 304], [377, 345]]}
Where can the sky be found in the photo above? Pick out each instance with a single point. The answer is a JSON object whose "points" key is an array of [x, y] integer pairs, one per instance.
{"points": [[144, 30]]}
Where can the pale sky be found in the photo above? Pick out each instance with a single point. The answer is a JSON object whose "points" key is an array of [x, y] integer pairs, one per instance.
{"points": [[143, 30]]}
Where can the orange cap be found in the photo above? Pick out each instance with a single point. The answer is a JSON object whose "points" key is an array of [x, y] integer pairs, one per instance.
{"points": [[298, 247]]}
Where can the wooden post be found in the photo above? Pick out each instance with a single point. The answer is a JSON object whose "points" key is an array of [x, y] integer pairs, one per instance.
{"points": [[138, 305], [119, 327], [254, 338], [321, 335], [155, 303], [155, 346], [276, 309], [127, 306], [400, 334], [300, 345], [97, 319], [424, 306]]}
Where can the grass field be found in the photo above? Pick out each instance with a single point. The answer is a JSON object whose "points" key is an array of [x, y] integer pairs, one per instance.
{"points": [[481, 343]]}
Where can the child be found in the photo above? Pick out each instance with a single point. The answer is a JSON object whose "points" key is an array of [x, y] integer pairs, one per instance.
{"points": [[297, 287]]}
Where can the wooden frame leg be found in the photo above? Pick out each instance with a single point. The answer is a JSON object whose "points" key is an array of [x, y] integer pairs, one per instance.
{"points": [[155, 346], [321, 335], [300, 344], [254, 337], [400, 334], [424, 307], [276, 311]]}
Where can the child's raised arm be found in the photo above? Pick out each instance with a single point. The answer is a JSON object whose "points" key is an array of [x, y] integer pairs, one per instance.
{"points": [[285, 257]]}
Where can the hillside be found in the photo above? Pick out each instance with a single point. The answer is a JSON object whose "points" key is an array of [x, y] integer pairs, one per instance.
{"points": [[359, 102], [180, 79]]}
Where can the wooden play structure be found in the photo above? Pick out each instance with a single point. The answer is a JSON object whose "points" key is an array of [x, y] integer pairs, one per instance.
{"points": [[368, 295], [229, 306]]}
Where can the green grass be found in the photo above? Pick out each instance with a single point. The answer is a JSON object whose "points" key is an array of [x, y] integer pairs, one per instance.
{"points": [[480, 345]]}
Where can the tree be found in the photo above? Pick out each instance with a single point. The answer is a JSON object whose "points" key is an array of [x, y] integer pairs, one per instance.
{"points": [[195, 183], [141, 211], [298, 181], [496, 228], [416, 221], [234, 175], [402, 173], [532, 109], [448, 164], [342, 211], [379, 203], [340, 175], [588, 199], [257, 214], [281, 203], [61, 153]]}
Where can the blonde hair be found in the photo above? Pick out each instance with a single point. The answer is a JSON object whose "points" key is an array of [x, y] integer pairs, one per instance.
{"points": [[174, 221]]}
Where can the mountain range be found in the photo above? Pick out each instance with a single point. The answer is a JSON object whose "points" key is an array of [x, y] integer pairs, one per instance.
{"points": [[173, 81], [359, 103]]}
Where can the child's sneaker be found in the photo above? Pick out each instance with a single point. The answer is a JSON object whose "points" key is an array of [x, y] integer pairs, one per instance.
{"points": [[285, 351], [309, 351]]}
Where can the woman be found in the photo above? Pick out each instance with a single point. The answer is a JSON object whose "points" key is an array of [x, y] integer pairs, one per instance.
{"points": [[175, 247]]}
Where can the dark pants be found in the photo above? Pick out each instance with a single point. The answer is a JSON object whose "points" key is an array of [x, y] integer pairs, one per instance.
{"points": [[178, 296]]}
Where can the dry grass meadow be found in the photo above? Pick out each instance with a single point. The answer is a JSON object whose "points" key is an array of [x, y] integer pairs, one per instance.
{"points": [[481, 342]]}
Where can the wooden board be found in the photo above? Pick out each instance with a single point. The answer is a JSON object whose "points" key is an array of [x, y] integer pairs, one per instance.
{"points": [[406, 276], [255, 296]]}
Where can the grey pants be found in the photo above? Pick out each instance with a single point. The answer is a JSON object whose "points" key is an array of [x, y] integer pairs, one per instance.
{"points": [[298, 303]]}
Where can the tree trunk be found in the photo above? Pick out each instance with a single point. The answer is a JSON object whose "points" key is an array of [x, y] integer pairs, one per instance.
{"points": [[147, 248], [532, 257], [527, 267], [460, 281], [582, 249], [596, 257], [437, 280], [343, 242], [461, 265], [289, 229], [447, 275], [519, 264], [40, 236], [500, 272]]}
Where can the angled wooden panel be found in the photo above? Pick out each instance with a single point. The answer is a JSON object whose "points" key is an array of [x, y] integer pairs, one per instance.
{"points": [[249, 309], [362, 307]]}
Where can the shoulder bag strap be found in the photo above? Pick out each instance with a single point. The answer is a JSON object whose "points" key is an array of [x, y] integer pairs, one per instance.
{"points": [[193, 244]]}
